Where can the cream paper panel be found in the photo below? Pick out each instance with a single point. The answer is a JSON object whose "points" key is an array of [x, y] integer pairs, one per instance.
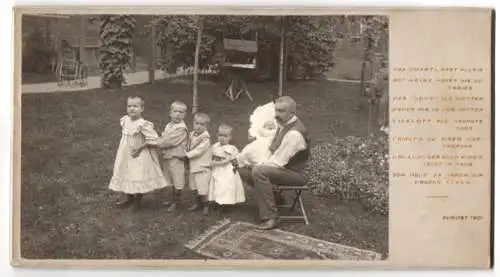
{"points": [[418, 235], [421, 231]]}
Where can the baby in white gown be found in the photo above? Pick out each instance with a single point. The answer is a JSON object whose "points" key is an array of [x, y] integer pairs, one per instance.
{"points": [[258, 119], [258, 150]]}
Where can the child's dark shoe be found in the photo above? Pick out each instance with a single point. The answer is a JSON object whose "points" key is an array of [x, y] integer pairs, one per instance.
{"points": [[137, 203], [126, 203], [172, 207], [194, 207], [136, 207], [206, 209]]}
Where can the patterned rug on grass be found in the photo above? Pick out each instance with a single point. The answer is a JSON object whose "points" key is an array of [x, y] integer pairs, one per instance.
{"points": [[240, 240]]}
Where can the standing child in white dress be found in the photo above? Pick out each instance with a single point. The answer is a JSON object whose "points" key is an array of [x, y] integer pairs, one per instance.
{"points": [[137, 168], [226, 187]]}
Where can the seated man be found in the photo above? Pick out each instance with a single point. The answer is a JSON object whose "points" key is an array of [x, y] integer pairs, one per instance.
{"points": [[289, 154]]}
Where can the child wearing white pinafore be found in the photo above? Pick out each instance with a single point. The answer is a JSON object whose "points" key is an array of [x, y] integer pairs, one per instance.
{"points": [[137, 168], [226, 187]]}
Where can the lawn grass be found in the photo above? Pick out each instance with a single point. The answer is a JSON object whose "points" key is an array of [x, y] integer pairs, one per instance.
{"points": [[69, 141]]}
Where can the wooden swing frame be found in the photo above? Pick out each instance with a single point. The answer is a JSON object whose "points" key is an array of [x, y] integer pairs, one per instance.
{"points": [[237, 43], [282, 73]]}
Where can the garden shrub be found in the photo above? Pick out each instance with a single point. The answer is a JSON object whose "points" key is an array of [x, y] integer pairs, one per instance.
{"points": [[352, 168], [115, 50]]}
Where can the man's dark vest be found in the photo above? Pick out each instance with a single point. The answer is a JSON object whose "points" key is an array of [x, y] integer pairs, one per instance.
{"points": [[299, 161]]}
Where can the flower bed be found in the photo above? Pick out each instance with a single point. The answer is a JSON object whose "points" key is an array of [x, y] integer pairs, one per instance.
{"points": [[352, 168]]}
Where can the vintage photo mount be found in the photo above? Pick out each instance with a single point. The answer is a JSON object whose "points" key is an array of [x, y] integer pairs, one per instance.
{"points": [[396, 258]]}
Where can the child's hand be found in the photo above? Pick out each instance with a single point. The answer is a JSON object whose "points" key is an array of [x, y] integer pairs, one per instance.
{"points": [[151, 143], [235, 164], [135, 152], [182, 158]]}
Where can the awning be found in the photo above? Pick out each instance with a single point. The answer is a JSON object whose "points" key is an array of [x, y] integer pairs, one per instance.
{"points": [[49, 15]]}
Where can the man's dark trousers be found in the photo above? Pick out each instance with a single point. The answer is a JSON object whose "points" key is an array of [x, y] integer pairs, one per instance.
{"points": [[262, 178]]}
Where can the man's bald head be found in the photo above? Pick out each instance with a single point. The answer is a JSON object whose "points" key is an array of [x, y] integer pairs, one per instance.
{"points": [[288, 103]]}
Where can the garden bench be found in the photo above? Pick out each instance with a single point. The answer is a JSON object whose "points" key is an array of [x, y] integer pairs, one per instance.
{"points": [[298, 189]]}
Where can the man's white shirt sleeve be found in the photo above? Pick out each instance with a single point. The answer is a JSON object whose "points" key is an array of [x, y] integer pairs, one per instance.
{"points": [[293, 142]]}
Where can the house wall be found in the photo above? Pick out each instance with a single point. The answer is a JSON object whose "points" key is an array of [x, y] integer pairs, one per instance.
{"points": [[56, 30]]}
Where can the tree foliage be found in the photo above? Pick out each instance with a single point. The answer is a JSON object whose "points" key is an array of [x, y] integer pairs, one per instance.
{"points": [[376, 28], [115, 48], [176, 37], [310, 46], [309, 41]]}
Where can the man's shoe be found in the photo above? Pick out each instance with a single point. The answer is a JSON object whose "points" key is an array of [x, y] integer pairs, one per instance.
{"points": [[269, 224]]}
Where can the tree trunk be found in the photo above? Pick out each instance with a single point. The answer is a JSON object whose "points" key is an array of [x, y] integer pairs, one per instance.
{"points": [[282, 58], [362, 83], [196, 65], [58, 44], [366, 58], [376, 112], [285, 55], [151, 63], [370, 112], [83, 30], [133, 62]]}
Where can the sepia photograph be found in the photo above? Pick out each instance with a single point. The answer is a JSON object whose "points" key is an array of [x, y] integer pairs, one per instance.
{"points": [[192, 137]]}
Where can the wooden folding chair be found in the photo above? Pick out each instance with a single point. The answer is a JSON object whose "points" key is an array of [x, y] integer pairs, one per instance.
{"points": [[296, 200]]}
